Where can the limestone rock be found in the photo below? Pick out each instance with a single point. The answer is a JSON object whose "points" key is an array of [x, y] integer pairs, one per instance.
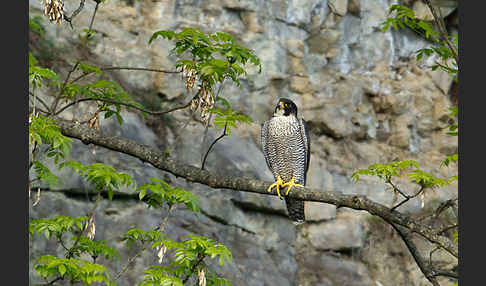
{"points": [[300, 84]]}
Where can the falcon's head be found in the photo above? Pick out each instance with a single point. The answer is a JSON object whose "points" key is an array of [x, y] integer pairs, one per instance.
{"points": [[285, 107]]}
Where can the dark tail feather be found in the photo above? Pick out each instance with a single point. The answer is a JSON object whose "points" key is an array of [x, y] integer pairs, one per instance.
{"points": [[295, 209]]}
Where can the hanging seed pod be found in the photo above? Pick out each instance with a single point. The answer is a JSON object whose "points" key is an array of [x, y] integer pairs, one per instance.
{"points": [[54, 10]]}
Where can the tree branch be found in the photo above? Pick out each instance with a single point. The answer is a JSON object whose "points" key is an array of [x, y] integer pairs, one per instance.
{"points": [[124, 104], [58, 97], [215, 180], [94, 14], [76, 12], [407, 238], [443, 32], [136, 69], [212, 144]]}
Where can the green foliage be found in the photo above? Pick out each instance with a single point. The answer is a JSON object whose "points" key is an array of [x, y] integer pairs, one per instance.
{"points": [[449, 159], [102, 176], [227, 117], [133, 235], [394, 169], [103, 90], [405, 18], [88, 34], [38, 74], [161, 275], [427, 180], [36, 26], [195, 245], [87, 69], [187, 253], [73, 269], [453, 127], [43, 130], [214, 57], [161, 192], [93, 248], [48, 266], [45, 174], [57, 225], [385, 171], [213, 280]]}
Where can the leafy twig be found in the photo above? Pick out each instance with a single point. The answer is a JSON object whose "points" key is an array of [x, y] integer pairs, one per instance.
{"points": [[91, 213], [440, 24], [58, 97], [144, 246]]}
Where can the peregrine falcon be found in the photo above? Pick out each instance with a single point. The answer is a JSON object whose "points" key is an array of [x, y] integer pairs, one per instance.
{"points": [[286, 146]]}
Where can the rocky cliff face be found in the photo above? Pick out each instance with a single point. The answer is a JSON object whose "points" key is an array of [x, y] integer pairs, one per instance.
{"points": [[366, 100]]}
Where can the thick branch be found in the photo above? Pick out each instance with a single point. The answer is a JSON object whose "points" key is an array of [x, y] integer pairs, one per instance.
{"points": [[215, 180]]}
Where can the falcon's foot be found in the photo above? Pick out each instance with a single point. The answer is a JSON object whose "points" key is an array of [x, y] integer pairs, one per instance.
{"points": [[279, 183], [290, 184]]}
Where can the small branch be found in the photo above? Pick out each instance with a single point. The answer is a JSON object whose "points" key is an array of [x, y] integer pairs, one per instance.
{"points": [[63, 245], [444, 206], [122, 103], [396, 189], [443, 32], [40, 100], [407, 198], [58, 97], [91, 213], [76, 12], [123, 68], [430, 255], [446, 229], [144, 246], [137, 69], [212, 144], [407, 238], [130, 261], [450, 274], [166, 218], [94, 14], [55, 280]]}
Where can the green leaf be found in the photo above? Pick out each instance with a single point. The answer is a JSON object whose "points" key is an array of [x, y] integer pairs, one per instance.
{"points": [[62, 269]]}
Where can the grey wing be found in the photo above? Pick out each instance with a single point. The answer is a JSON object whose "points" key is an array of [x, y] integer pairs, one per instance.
{"points": [[265, 145], [304, 130]]}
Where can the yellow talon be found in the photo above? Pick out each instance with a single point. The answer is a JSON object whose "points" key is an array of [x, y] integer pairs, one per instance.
{"points": [[290, 184], [277, 184]]}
